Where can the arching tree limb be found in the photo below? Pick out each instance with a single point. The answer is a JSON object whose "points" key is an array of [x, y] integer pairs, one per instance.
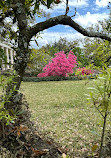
{"points": [[65, 20]]}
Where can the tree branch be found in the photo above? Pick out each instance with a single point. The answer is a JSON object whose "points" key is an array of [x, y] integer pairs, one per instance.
{"points": [[64, 20]]}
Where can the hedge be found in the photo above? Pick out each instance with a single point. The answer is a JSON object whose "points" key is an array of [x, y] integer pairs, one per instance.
{"points": [[57, 78]]}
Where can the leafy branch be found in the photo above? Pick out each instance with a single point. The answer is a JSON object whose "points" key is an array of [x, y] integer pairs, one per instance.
{"points": [[101, 99]]}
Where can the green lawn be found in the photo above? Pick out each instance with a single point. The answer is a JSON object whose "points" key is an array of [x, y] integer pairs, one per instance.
{"points": [[60, 109]]}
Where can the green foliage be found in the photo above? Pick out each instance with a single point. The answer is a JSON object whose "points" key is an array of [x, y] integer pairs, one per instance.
{"points": [[81, 58], [6, 117], [4, 113], [101, 93], [100, 96], [37, 60], [98, 51], [101, 53], [57, 78]]}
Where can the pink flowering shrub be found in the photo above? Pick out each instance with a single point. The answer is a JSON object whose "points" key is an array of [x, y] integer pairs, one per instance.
{"points": [[60, 65], [84, 71]]}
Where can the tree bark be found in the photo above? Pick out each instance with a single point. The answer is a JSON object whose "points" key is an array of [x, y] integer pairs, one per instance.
{"points": [[22, 51]]}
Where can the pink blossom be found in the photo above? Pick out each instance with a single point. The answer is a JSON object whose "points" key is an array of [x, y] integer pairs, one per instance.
{"points": [[84, 71], [60, 65]]}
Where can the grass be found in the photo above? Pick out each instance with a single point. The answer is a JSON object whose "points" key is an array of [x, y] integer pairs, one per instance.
{"points": [[62, 113]]}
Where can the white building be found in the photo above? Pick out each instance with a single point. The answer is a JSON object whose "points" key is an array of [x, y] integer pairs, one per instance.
{"points": [[10, 53]]}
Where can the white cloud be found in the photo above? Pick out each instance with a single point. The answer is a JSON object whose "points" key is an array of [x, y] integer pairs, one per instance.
{"points": [[51, 37], [102, 3], [78, 3], [8, 20], [88, 19]]}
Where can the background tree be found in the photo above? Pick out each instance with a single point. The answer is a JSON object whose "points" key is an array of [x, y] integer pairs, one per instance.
{"points": [[66, 46], [101, 54], [62, 45], [97, 50], [37, 60], [82, 59]]}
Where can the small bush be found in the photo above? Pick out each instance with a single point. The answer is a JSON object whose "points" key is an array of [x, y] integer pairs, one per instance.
{"points": [[83, 71], [60, 65], [57, 78]]}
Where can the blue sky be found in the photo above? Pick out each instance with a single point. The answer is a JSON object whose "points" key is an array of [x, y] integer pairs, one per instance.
{"points": [[88, 13]]}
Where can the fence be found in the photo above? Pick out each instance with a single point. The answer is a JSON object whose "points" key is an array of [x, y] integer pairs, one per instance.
{"points": [[10, 53]]}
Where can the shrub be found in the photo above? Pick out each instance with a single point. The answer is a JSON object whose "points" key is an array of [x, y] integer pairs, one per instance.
{"points": [[60, 65], [83, 71], [100, 96], [57, 78], [5, 116]]}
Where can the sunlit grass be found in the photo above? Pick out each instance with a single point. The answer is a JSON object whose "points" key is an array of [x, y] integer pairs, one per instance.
{"points": [[62, 113]]}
